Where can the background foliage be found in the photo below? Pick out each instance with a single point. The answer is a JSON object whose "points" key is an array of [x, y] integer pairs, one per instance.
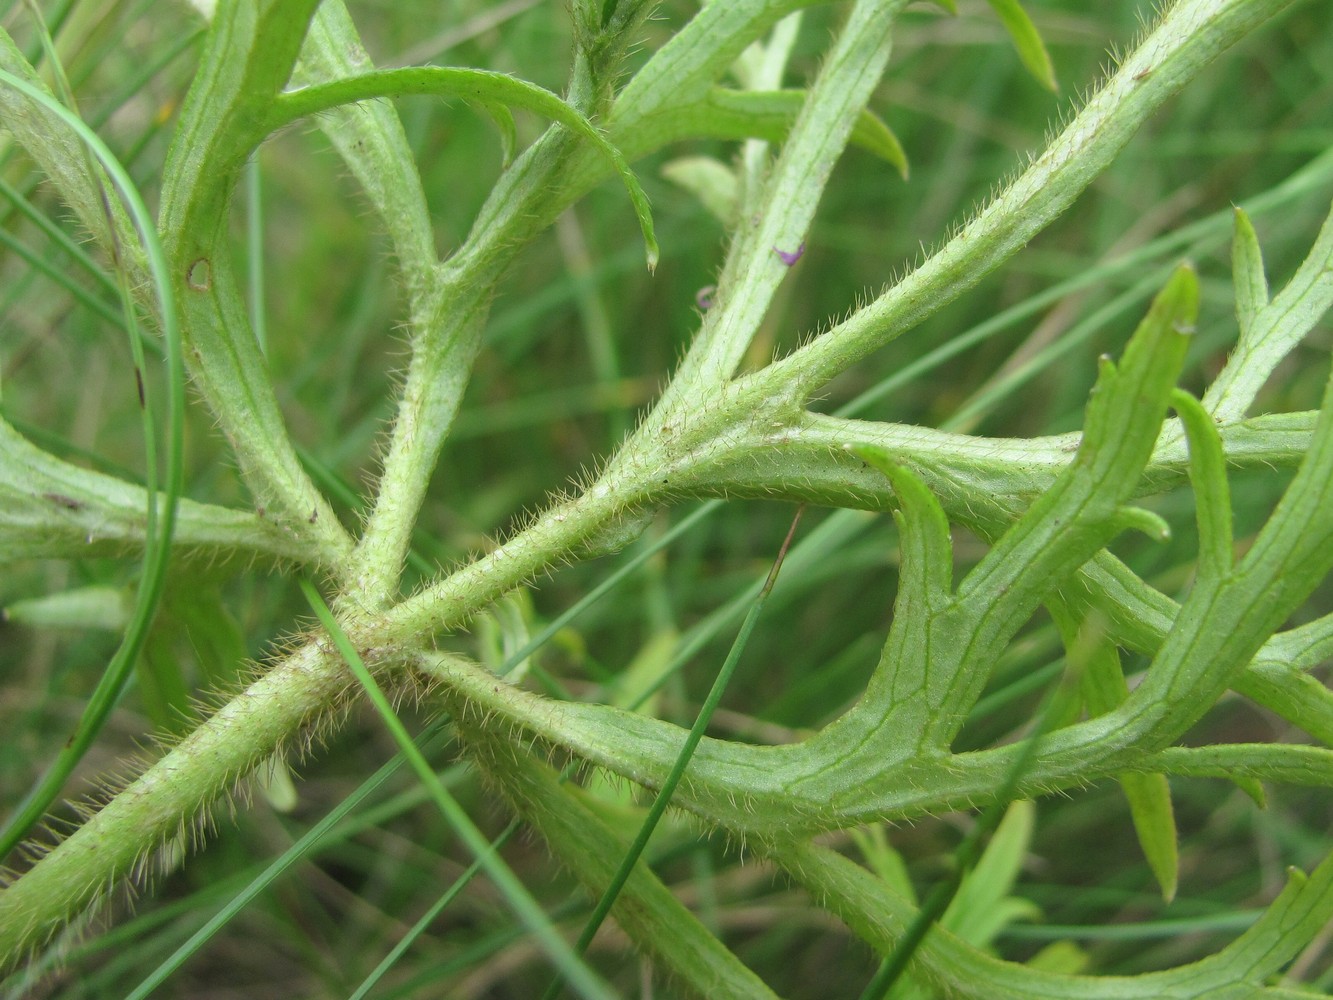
{"points": [[579, 342]]}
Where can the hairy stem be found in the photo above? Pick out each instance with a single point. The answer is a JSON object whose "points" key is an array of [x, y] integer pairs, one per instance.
{"points": [[1192, 34]]}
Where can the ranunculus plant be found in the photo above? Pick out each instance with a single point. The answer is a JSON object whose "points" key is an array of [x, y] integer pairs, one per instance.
{"points": [[986, 545]]}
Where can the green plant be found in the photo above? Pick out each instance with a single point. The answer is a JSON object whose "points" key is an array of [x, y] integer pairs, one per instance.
{"points": [[726, 425]]}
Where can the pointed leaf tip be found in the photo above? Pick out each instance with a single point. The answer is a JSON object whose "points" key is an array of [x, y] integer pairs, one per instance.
{"points": [[1143, 521], [1207, 470], [1027, 41], [1247, 273], [1149, 797]]}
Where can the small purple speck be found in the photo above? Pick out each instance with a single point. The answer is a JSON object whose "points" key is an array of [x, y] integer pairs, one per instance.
{"points": [[703, 298], [790, 258]]}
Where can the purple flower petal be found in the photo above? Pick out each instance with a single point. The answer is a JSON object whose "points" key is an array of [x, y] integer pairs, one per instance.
{"points": [[790, 258]]}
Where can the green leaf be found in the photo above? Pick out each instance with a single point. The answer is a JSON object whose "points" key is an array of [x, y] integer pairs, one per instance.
{"points": [[1083, 509], [983, 907], [884, 860], [957, 969], [195, 643], [43, 133], [927, 554], [162, 684], [52, 509], [1293, 763], [1064, 957], [370, 139], [1296, 696], [211, 635], [1212, 496], [1149, 797], [683, 70], [638, 687], [632, 855], [745, 114], [1027, 40], [934, 665], [1144, 521], [212, 632], [1251, 787], [1274, 330], [1152, 358], [1247, 273], [248, 55], [1096, 659]]}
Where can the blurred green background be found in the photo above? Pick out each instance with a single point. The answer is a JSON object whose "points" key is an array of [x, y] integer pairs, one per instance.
{"points": [[579, 342]]}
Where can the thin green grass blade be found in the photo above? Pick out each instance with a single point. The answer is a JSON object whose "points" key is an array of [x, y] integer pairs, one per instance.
{"points": [[61, 277], [254, 251], [663, 797], [1196, 239], [330, 824], [20, 201], [427, 918], [308, 841], [662, 928], [161, 512], [516, 894], [968, 853]]}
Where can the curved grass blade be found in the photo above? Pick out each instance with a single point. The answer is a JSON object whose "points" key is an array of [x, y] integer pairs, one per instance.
{"points": [[161, 511], [475, 86]]}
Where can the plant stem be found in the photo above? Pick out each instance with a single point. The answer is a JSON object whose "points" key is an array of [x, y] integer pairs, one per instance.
{"points": [[1191, 35]]}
